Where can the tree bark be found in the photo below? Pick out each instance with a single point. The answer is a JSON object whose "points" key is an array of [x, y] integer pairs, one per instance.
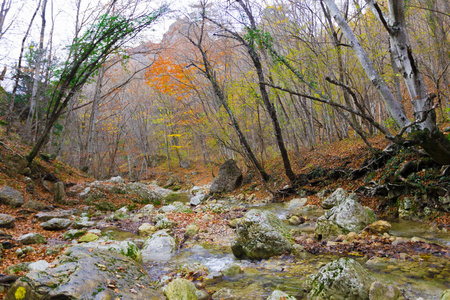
{"points": [[391, 103], [37, 74], [93, 120], [423, 130], [209, 74], [255, 57], [10, 113]]}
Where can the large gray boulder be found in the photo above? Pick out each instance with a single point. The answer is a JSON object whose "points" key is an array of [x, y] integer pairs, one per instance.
{"points": [[346, 217], [197, 199], [145, 193], [35, 205], [336, 198], [117, 180], [16, 164], [159, 247], [83, 222], [80, 273], [260, 234], [7, 221], [228, 179], [343, 279], [10, 196]]}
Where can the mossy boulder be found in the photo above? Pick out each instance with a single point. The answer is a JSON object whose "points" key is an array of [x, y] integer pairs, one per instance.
{"points": [[407, 207], [10, 196], [125, 248], [56, 224], [74, 234], [380, 291], [191, 230], [32, 238], [176, 207], [88, 237], [147, 209], [180, 289], [228, 179], [81, 273], [232, 270], [260, 234], [35, 205], [146, 229], [343, 279], [346, 217], [7, 221], [59, 193], [162, 222]]}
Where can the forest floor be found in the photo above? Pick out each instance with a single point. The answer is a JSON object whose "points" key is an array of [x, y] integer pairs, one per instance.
{"points": [[350, 153]]}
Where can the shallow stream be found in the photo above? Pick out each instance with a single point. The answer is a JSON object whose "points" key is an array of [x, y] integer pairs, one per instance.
{"points": [[419, 276]]}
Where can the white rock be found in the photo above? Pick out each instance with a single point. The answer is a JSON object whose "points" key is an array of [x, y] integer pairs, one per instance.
{"points": [[117, 180], [39, 265]]}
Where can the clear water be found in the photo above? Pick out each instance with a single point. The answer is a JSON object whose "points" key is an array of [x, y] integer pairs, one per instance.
{"points": [[427, 277]]}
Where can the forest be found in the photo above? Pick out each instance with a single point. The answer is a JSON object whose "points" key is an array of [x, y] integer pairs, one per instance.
{"points": [[251, 81], [253, 136]]}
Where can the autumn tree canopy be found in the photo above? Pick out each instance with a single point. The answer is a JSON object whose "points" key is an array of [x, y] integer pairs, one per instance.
{"points": [[250, 80]]}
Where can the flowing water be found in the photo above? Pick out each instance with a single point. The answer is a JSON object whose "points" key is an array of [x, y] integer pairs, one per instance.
{"points": [[424, 277]]}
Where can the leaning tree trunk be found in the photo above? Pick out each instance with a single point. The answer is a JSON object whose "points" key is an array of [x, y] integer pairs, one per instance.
{"points": [[392, 105], [255, 57], [209, 73], [423, 131]]}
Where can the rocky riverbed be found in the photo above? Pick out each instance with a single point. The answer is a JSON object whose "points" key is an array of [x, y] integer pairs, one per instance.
{"points": [[234, 247]]}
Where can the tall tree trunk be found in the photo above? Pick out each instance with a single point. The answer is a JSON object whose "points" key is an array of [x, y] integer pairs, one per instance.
{"points": [[93, 120], [210, 75], [255, 57], [37, 74], [10, 113], [391, 103], [424, 130]]}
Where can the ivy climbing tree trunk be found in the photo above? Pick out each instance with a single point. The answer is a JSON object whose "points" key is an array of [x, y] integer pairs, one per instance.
{"points": [[87, 54], [256, 59]]}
